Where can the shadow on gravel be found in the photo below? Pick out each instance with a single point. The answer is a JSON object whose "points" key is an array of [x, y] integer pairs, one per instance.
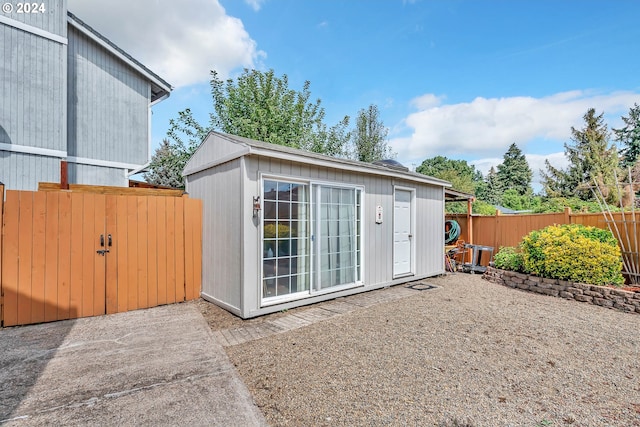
{"points": [[24, 354]]}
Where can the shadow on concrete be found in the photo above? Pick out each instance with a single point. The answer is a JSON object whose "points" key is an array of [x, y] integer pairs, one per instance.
{"points": [[25, 352]]}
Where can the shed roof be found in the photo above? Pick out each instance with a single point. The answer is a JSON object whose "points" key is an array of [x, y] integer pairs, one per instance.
{"points": [[251, 147], [160, 89]]}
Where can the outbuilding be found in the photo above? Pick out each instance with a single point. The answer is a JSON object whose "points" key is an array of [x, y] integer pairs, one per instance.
{"points": [[284, 227]]}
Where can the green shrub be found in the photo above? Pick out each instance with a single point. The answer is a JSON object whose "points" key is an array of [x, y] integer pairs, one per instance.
{"points": [[573, 252], [508, 258]]}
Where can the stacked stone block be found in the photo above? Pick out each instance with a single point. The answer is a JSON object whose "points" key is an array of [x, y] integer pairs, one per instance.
{"points": [[597, 295]]}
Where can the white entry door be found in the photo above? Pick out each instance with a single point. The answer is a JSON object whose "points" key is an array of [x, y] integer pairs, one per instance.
{"points": [[402, 233]]}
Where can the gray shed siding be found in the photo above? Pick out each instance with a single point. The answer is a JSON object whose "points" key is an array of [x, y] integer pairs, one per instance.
{"points": [[378, 238], [108, 105], [222, 243], [232, 246]]}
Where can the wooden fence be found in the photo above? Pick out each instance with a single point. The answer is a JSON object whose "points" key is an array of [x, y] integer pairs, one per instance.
{"points": [[66, 255], [508, 230]]}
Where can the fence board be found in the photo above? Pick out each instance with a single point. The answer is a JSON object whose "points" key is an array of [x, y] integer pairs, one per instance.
{"points": [[120, 237], [38, 254], [75, 291], [99, 261], [111, 267], [132, 249], [181, 224], [162, 251], [175, 290], [51, 258], [25, 224], [64, 258], [143, 231], [152, 251], [10, 253]]}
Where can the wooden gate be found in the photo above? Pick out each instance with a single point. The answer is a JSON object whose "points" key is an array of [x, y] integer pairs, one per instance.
{"points": [[66, 255]]}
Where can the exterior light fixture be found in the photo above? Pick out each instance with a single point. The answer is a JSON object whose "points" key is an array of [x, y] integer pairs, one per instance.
{"points": [[256, 206]]}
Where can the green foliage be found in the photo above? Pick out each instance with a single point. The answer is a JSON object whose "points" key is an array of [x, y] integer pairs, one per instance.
{"points": [[573, 252], [269, 231], [509, 258], [514, 172], [479, 208], [492, 189], [591, 159], [459, 173], [369, 138], [256, 105], [629, 137], [167, 164]]}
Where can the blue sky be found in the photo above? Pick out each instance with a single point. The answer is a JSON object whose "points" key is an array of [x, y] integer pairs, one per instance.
{"points": [[463, 79]]}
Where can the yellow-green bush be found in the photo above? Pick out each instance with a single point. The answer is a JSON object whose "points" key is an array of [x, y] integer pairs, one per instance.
{"points": [[573, 252], [508, 258]]}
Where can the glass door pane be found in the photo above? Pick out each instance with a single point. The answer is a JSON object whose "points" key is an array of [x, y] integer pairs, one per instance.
{"points": [[336, 245], [285, 233]]}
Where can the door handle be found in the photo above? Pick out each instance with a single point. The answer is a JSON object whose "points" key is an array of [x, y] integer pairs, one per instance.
{"points": [[109, 240], [102, 240], [102, 251]]}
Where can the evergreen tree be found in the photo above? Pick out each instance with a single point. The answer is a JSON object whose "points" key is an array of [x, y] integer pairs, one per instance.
{"points": [[514, 171], [369, 138], [493, 188], [591, 160], [629, 137], [167, 164]]}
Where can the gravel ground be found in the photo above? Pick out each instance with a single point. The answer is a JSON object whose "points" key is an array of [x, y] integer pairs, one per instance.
{"points": [[470, 353]]}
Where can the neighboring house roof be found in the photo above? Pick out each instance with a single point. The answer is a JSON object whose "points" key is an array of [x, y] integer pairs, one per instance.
{"points": [[504, 210], [253, 147], [160, 89]]}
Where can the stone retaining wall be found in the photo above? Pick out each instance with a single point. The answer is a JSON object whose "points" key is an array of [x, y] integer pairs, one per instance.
{"points": [[597, 295]]}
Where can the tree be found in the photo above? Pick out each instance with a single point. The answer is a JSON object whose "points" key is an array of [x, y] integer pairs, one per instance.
{"points": [[167, 164], [591, 159], [369, 137], [492, 190], [463, 177], [260, 105], [629, 137], [514, 171]]}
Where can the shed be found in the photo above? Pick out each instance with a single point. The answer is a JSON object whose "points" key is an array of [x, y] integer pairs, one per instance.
{"points": [[284, 227]]}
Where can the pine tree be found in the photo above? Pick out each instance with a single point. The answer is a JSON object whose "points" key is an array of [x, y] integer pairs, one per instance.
{"points": [[629, 137], [369, 138], [493, 189], [592, 159], [514, 171]]}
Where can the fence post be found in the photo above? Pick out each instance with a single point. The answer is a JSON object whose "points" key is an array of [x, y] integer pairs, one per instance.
{"points": [[1, 250], [567, 215]]}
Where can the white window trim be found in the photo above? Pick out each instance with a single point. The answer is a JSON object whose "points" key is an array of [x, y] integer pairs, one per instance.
{"points": [[33, 30], [412, 269], [310, 182]]}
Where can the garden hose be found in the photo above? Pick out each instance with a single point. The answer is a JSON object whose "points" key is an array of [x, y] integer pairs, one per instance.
{"points": [[451, 231]]}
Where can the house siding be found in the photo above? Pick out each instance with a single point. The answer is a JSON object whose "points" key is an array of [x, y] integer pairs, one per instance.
{"points": [[18, 170], [108, 105]]}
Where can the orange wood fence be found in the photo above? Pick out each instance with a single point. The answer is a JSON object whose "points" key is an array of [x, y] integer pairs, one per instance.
{"points": [[65, 255], [508, 230]]}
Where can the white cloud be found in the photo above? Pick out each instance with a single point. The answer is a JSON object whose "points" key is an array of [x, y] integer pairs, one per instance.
{"points": [[255, 4], [180, 42], [486, 127]]}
